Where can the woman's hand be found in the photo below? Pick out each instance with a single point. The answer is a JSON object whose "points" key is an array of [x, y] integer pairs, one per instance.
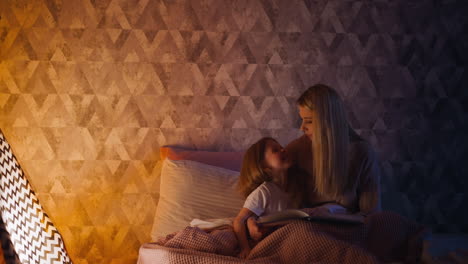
{"points": [[318, 211]]}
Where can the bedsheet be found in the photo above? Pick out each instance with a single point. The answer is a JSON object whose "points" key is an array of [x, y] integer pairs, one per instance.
{"points": [[384, 237]]}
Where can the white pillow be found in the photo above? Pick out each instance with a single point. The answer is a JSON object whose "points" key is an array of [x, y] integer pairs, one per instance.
{"points": [[189, 190]]}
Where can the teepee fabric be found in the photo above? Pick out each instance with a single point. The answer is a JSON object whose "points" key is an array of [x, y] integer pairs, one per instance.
{"points": [[33, 235]]}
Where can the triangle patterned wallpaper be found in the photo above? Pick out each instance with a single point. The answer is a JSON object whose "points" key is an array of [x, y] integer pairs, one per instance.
{"points": [[90, 89]]}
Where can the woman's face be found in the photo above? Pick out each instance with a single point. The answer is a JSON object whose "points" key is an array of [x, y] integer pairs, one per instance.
{"points": [[307, 119], [276, 156]]}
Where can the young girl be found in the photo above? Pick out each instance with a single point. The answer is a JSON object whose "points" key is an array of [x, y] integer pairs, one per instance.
{"points": [[263, 181]]}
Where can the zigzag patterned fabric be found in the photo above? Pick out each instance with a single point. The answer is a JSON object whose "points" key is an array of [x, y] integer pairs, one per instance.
{"points": [[34, 237]]}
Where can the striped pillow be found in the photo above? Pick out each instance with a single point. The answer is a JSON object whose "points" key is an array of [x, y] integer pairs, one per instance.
{"points": [[189, 190]]}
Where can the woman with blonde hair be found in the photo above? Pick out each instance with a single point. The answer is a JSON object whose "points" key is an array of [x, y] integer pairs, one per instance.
{"points": [[342, 167]]}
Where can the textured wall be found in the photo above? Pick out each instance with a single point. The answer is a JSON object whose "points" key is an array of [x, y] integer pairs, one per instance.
{"points": [[90, 89]]}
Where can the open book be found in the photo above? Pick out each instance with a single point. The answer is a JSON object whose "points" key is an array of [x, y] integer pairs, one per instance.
{"points": [[283, 217]]}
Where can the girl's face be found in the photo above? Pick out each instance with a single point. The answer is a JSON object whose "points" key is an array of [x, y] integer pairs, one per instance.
{"points": [[307, 116], [276, 156]]}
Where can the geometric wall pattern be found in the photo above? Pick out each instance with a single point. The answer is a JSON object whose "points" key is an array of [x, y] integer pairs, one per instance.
{"points": [[89, 90]]}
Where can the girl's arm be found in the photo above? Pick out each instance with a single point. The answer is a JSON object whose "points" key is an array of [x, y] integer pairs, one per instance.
{"points": [[240, 229]]}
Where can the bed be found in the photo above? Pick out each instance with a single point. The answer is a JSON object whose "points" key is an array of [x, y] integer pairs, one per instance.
{"points": [[201, 184]]}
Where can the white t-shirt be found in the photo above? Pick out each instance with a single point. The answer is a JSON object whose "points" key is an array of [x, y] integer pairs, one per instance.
{"points": [[266, 199]]}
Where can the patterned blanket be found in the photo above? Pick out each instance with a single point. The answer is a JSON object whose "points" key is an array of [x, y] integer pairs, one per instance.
{"points": [[384, 237]]}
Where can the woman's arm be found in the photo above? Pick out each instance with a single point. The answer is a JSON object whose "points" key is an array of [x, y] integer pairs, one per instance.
{"points": [[240, 229], [300, 151], [299, 146], [369, 186]]}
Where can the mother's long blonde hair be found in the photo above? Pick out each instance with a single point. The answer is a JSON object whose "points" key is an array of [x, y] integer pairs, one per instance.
{"points": [[330, 140]]}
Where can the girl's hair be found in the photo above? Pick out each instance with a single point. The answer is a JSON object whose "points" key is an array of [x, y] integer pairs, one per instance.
{"points": [[330, 140], [252, 173]]}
